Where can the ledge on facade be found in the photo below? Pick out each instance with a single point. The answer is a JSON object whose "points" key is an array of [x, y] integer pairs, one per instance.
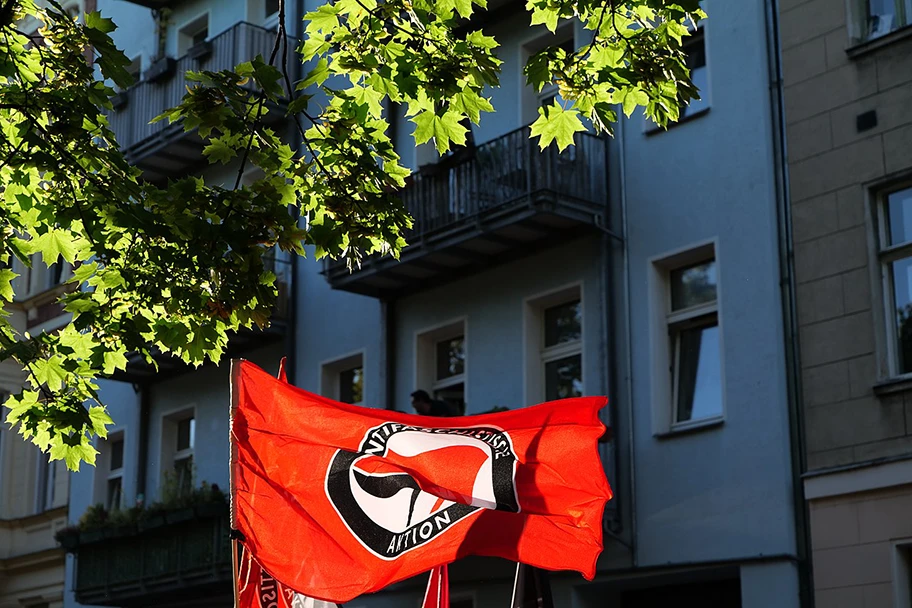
{"points": [[869, 46]]}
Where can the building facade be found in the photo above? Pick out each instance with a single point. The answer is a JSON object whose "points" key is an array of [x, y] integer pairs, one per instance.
{"points": [[646, 268], [848, 94]]}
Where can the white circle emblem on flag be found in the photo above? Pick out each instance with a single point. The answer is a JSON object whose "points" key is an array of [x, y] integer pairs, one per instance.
{"points": [[406, 485]]}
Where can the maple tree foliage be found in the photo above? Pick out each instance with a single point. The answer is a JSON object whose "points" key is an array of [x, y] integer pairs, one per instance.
{"points": [[176, 267]]}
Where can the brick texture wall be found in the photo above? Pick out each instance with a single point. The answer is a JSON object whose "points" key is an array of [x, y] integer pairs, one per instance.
{"points": [[831, 166]]}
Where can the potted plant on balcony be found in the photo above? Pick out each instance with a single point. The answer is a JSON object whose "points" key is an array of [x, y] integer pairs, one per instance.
{"points": [[92, 523], [122, 522], [68, 537], [212, 501], [161, 69], [200, 51]]}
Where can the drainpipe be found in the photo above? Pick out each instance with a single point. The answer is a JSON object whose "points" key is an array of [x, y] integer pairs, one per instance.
{"points": [[145, 407], [388, 336], [789, 310], [291, 342], [628, 354]]}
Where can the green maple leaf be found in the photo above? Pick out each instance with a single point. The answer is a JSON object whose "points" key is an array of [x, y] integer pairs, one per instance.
{"points": [[443, 129], [54, 244], [114, 360], [50, 372], [6, 284], [556, 123], [471, 104], [323, 20], [545, 16], [100, 420]]}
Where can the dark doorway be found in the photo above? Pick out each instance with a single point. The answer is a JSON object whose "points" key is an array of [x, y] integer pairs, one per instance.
{"points": [[724, 593]]}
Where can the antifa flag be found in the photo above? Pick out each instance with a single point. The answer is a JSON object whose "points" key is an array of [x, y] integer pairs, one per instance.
{"points": [[336, 500]]}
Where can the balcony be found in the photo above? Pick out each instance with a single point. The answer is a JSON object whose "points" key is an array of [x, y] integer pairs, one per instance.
{"points": [[488, 205], [138, 371], [175, 562], [164, 150]]}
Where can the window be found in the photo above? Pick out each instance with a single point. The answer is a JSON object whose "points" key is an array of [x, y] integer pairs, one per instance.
{"points": [[693, 330], [685, 340], [549, 92], [271, 9], [695, 49], [343, 379], [875, 18], [449, 383], [178, 442], [554, 345], [561, 352], [183, 455], [532, 100], [193, 33], [896, 270], [441, 363], [44, 487], [114, 494]]}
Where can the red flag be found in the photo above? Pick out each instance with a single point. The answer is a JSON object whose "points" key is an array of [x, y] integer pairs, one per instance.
{"points": [[437, 594], [337, 500]]}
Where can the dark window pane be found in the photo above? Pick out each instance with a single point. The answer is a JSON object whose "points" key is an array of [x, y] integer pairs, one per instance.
{"points": [[201, 35], [563, 323], [185, 431], [564, 378], [351, 385], [454, 396], [699, 380], [114, 499], [117, 453], [902, 296], [183, 473], [272, 7], [450, 357], [693, 285], [695, 50], [900, 216]]}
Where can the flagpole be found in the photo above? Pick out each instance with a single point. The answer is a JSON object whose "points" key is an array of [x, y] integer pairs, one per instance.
{"points": [[232, 459]]}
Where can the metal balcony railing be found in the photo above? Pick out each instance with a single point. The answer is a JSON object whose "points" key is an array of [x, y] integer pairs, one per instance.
{"points": [[164, 86], [172, 558], [465, 205]]}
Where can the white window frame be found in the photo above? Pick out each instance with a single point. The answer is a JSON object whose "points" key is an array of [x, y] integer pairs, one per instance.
{"points": [[425, 370], [860, 20], [537, 356], [170, 455], [189, 28], [902, 572], [662, 357], [331, 370], [885, 255], [103, 466]]}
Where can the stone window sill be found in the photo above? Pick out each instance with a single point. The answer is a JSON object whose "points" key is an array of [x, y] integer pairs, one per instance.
{"points": [[653, 128], [870, 46], [692, 427], [890, 386]]}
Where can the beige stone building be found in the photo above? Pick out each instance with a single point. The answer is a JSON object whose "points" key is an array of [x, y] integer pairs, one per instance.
{"points": [[848, 106], [33, 505]]}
